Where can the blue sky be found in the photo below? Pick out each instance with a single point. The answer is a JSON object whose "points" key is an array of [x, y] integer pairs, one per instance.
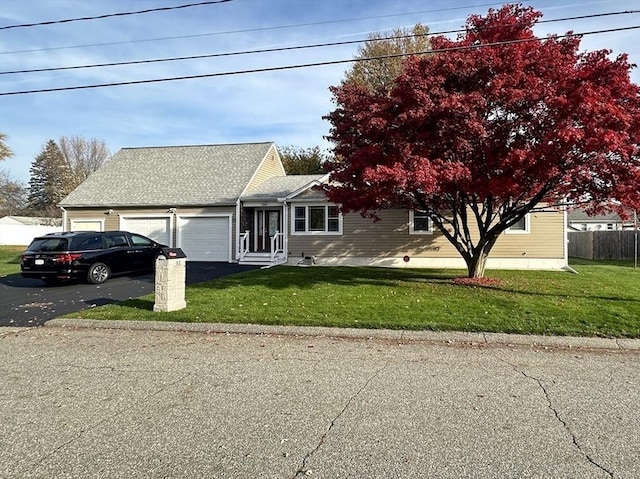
{"points": [[282, 106]]}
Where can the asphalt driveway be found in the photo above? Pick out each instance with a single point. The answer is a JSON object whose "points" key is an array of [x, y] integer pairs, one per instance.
{"points": [[29, 302]]}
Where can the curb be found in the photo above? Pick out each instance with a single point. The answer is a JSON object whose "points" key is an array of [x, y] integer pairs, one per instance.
{"points": [[449, 337]]}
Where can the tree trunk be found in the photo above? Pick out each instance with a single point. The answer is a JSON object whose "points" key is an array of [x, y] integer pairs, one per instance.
{"points": [[476, 265]]}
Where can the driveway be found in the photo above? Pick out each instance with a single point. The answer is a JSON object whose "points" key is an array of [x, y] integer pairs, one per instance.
{"points": [[29, 302], [119, 404]]}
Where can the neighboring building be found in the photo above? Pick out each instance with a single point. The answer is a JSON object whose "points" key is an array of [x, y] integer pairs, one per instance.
{"points": [[20, 230], [235, 203], [579, 220]]}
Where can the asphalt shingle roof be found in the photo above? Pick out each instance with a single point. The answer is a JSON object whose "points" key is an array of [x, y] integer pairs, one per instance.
{"points": [[280, 186], [173, 176]]}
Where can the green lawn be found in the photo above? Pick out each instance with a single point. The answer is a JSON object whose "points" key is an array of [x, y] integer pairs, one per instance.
{"points": [[603, 300], [10, 259]]}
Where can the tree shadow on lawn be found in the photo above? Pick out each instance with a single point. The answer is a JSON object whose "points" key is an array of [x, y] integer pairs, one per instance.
{"points": [[289, 277]]}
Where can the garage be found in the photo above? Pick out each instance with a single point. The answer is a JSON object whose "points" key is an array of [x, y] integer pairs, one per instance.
{"points": [[158, 228], [205, 238], [87, 225]]}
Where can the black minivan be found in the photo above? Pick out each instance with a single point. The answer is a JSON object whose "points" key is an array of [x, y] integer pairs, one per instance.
{"points": [[88, 255]]}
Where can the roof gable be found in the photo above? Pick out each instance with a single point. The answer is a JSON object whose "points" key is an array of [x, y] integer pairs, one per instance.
{"points": [[172, 176], [283, 187]]}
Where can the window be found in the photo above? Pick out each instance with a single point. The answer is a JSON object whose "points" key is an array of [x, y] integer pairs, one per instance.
{"points": [[520, 227], [420, 223], [317, 219], [138, 240]]}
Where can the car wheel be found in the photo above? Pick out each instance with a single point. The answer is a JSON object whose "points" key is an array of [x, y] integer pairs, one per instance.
{"points": [[98, 273]]}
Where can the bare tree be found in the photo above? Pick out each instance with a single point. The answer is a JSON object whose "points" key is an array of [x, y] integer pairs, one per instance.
{"points": [[83, 156], [13, 196], [380, 74], [5, 151]]}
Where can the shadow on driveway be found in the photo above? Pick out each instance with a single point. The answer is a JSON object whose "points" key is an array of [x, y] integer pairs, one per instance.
{"points": [[30, 302]]}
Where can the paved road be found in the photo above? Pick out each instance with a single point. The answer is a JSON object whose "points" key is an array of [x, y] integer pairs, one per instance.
{"points": [[120, 403], [29, 302]]}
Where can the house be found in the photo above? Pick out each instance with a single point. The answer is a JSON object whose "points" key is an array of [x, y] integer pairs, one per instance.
{"points": [[579, 220], [234, 203]]}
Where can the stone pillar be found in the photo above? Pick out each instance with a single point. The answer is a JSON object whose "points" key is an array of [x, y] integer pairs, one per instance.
{"points": [[170, 283]]}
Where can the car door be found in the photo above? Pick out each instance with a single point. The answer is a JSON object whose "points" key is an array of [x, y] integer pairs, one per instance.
{"points": [[119, 255], [145, 251]]}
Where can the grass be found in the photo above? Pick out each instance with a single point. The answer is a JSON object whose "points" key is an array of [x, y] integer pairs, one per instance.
{"points": [[602, 300], [10, 259]]}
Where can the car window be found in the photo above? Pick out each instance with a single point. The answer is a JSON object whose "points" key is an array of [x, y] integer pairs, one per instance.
{"points": [[116, 240], [82, 243], [49, 244], [138, 240]]}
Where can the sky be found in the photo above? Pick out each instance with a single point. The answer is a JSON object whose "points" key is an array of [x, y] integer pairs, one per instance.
{"points": [[285, 106]]}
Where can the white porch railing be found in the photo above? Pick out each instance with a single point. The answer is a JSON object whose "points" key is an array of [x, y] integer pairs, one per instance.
{"points": [[244, 245], [277, 245]]}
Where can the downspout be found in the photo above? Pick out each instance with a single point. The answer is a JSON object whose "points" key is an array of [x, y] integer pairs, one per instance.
{"points": [[64, 218], [237, 235], [565, 227], [285, 227]]}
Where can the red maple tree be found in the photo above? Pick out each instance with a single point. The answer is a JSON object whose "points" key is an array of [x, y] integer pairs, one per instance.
{"points": [[487, 129]]}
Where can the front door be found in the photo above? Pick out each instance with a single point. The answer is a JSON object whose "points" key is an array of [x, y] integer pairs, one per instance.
{"points": [[267, 224]]}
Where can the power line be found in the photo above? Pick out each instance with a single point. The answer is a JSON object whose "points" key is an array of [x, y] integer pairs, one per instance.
{"points": [[252, 30], [308, 65], [121, 14], [281, 49]]}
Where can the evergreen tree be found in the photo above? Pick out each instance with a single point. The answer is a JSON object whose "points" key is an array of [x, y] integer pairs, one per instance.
{"points": [[51, 179]]}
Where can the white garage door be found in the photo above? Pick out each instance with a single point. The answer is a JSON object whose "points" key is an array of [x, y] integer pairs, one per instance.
{"points": [[86, 225], [156, 228], [205, 238]]}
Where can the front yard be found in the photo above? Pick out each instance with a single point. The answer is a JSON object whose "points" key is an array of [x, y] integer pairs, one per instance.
{"points": [[602, 300]]}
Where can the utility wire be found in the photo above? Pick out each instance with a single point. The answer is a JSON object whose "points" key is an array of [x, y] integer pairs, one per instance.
{"points": [[121, 14], [308, 65], [251, 30], [281, 49]]}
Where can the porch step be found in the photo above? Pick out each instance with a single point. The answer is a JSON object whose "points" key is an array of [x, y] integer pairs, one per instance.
{"points": [[261, 259]]}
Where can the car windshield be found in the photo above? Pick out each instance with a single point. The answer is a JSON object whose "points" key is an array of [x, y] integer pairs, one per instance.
{"points": [[48, 244]]}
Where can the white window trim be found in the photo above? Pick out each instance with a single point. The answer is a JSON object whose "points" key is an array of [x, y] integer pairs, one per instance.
{"points": [[413, 231], [525, 231], [306, 206]]}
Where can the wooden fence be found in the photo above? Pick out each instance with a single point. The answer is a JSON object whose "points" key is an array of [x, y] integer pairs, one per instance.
{"points": [[602, 244]]}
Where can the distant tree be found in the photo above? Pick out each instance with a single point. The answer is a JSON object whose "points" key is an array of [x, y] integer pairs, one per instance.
{"points": [[5, 151], [83, 156], [480, 135], [13, 196], [380, 74], [51, 180], [302, 161]]}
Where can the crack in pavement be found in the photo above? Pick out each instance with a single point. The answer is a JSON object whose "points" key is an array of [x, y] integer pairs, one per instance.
{"points": [[564, 423], [302, 470]]}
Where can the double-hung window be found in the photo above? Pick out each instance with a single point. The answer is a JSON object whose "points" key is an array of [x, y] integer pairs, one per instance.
{"points": [[420, 223], [317, 219], [522, 226]]}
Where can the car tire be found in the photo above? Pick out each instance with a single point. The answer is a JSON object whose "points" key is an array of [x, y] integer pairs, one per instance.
{"points": [[98, 273]]}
